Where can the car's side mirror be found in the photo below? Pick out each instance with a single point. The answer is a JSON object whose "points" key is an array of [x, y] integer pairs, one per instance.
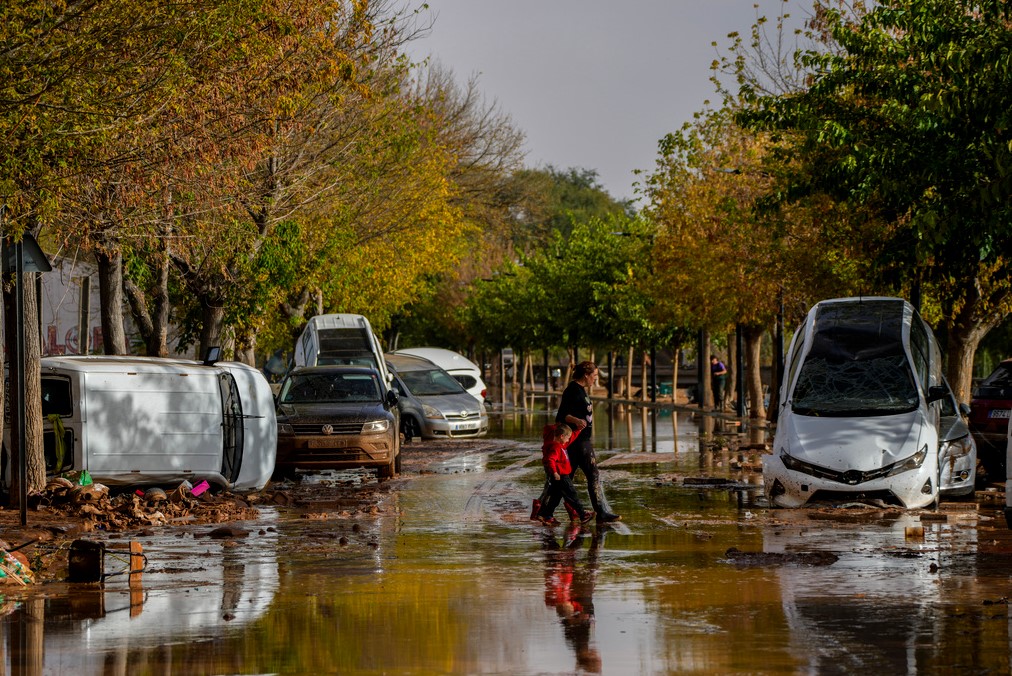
{"points": [[391, 398], [964, 410], [936, 392]]}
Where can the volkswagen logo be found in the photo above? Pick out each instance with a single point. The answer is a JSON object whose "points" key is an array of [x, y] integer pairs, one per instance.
{"points": [[327, 429]]}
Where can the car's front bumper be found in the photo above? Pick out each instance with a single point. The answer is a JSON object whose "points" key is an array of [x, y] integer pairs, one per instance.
{"points": [[344, 451], [789, 488]]}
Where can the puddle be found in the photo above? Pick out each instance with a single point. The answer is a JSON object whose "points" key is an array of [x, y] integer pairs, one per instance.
{"points": [[452, 577]]}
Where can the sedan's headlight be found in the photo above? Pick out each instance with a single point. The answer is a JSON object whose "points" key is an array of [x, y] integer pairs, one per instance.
{"points": [[432, 412], [376, 426], [285, 428], [911, 463]]}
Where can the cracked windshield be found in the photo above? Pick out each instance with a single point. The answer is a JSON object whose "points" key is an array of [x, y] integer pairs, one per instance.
{"points": [[455, 337]]}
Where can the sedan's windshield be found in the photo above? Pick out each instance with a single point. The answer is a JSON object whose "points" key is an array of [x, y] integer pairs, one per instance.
{"points": [[429, 383], [329, 388]]}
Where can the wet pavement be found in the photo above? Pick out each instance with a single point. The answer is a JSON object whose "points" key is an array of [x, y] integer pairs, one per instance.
{"points": [[448, 575]]}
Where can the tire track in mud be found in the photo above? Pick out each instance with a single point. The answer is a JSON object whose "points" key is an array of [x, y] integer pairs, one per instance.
{"points": [[499, 491]]}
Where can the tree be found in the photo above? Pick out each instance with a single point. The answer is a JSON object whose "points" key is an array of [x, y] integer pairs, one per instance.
{"points": [[908, 120]]}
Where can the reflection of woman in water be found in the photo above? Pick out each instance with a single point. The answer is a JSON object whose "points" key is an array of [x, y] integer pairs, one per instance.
{"points": [[569, 589]]}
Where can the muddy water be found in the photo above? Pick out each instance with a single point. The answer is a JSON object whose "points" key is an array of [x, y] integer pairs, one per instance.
{"points": [[453, 578]]}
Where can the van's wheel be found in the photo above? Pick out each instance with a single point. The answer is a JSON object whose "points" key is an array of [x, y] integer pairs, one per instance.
{"points": [[411, 428]]}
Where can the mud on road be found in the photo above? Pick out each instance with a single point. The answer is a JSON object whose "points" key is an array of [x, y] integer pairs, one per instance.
{"points": [[64, 512]]}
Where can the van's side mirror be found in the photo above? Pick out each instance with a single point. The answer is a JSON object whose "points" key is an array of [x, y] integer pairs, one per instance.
{"points": [[936, 392]]}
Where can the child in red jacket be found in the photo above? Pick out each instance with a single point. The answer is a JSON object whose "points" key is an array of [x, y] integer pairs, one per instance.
{"points": [[558, 469]]}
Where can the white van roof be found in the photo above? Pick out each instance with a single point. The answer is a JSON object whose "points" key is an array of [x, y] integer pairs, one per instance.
{"points": [[339, 321]]}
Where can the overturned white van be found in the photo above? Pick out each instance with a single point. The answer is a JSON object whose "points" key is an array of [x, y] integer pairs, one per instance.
{"points": [[865, 414], [142, 420], [340, 340]]}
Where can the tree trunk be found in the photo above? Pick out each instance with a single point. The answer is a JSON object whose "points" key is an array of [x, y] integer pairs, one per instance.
{"points": [[212, 316], [644, 384], [110, 291], [153, 322], [159, 344], [32, 405], [705, 390], [753, 376], [959, 353]]}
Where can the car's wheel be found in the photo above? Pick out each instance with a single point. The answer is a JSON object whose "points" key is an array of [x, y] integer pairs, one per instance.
{"points": [[397, 462]]}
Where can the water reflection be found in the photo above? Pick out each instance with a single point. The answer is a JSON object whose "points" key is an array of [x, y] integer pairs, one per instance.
{"points": [[569, 589], [617, 427], [453, 578], [121, 626]]}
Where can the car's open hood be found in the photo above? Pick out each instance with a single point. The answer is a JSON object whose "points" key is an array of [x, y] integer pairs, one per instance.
{"points": [[864, 443]]}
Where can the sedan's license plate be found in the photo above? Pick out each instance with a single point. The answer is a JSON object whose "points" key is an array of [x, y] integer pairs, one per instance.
{"points": [[1000, 413]]}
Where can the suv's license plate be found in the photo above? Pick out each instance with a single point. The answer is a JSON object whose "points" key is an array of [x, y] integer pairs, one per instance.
{"points": [[1000, 413]]}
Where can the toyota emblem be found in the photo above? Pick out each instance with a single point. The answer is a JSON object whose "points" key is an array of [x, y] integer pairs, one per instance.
{"points": [[463, 414], [327, 429]]}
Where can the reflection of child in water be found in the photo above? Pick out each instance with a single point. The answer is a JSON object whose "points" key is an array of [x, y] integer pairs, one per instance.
{"points": [[569, 589]]}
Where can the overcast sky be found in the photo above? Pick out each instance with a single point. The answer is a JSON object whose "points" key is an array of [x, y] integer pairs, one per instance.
{"points": [[593, 83]]}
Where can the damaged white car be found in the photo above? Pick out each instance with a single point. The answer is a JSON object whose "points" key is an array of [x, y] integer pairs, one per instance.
{"points": [[865, 414]]}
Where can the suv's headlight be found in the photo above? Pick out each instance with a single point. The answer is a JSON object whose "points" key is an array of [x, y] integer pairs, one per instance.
{"points": [[285, 428], [376, 426], [911, 463], [432, 412]]}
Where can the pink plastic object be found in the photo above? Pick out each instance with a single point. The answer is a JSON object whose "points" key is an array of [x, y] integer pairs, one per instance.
{"points": [[200, 488]]}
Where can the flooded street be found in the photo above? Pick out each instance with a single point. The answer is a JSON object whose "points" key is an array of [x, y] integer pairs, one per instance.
{"points": [[450, 576]]}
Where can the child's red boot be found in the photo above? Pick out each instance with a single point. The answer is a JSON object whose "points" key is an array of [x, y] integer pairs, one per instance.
{"points": [[535, 508], [573, 514]]}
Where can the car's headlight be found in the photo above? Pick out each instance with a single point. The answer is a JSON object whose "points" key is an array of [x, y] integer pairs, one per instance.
{"points": [[285, 428], [432, 412], [957, 448], [376, 426], [791, 462], [911, 463]]}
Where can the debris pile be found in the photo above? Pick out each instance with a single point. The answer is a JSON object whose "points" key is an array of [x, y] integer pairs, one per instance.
{"points": [[102, 511]]}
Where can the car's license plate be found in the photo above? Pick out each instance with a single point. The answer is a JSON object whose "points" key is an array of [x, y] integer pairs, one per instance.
{"points": [[467, 426], [1000, 413], [327, 443]]}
